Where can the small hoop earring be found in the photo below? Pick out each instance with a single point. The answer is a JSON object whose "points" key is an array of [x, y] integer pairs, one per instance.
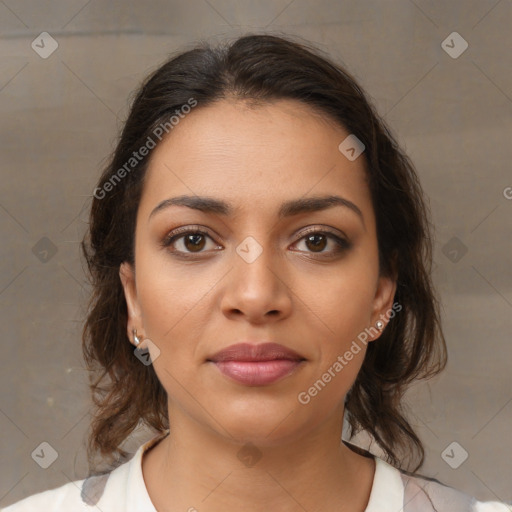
{"points": [[135, 337], [380, 325]]}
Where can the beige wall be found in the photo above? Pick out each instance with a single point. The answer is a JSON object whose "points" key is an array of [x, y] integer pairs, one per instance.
{"points": [[60, 117]]}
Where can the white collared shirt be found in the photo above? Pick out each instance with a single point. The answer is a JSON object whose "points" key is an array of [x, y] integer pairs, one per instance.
{"points": [[123, 490]]}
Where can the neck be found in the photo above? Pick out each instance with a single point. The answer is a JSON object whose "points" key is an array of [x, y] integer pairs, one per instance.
{"points": [[194, 468]]}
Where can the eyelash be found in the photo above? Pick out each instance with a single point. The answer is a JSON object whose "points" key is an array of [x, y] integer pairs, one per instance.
{"points": [[341, 244]]}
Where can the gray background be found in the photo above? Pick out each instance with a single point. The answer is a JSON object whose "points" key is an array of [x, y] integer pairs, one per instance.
{"points": [[60, 118]]}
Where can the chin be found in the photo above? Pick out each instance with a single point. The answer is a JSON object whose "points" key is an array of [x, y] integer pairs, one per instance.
{"points": [[264, 423]]}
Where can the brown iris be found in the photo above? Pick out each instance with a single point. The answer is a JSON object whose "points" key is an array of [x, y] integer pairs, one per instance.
{"points": [[316, 244], [194, 242]]}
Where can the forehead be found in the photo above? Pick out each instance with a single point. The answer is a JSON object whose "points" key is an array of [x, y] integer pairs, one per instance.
{"points": [[254, 157]]}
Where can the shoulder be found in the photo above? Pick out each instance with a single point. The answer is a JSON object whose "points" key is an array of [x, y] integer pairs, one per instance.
{"points": [[67, 495], [428, 494], [120, 489], [77, 495]]}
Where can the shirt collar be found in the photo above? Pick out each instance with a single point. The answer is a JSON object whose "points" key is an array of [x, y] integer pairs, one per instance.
{"points": [[138, 499], [387, 494]]}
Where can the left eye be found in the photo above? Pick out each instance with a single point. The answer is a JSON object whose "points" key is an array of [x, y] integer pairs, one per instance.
{"points": [[317, 241]]}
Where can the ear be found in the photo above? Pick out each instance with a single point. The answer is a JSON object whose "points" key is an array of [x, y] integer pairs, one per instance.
{"points": [[127, 276], [383, 302]]}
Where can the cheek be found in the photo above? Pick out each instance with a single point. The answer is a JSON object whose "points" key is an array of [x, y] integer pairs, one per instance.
{"points": [[168, 310], [342, 309], [168, 292], [343, 301], [168, 305], [176, 307]]}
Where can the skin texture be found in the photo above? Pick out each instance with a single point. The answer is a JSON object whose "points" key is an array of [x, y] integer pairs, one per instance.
{"points": [[311, 298]]}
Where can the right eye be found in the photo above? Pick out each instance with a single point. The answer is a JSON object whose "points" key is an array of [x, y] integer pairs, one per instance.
{"points": [[187, 241]]}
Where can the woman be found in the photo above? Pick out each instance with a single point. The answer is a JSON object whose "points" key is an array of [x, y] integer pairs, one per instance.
{"points": [[264, 245]]}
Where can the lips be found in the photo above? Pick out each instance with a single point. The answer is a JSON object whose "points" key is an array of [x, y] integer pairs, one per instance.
{"points": [[260, 352], [256, 365]]}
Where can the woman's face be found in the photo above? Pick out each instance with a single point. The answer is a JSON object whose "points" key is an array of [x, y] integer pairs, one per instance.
{"points": [[259, 274]]}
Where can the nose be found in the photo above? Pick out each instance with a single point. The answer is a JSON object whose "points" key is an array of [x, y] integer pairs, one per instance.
{"points": [[257, 288]]}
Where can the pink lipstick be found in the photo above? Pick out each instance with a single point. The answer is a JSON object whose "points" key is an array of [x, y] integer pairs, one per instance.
{"points": [[256, 365]]}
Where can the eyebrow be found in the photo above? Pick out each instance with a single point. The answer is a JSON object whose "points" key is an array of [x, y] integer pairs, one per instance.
{"points": [[287, 209]]}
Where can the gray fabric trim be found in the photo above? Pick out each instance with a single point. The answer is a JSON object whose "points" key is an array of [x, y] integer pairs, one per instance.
{"points": [[93, 488]]}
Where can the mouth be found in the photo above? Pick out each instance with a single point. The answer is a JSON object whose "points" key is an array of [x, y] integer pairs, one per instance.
{"points": [[257, 365]]}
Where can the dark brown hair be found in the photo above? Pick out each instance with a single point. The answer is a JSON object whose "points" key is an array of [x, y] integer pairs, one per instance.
{"points": [[262, 68]]}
